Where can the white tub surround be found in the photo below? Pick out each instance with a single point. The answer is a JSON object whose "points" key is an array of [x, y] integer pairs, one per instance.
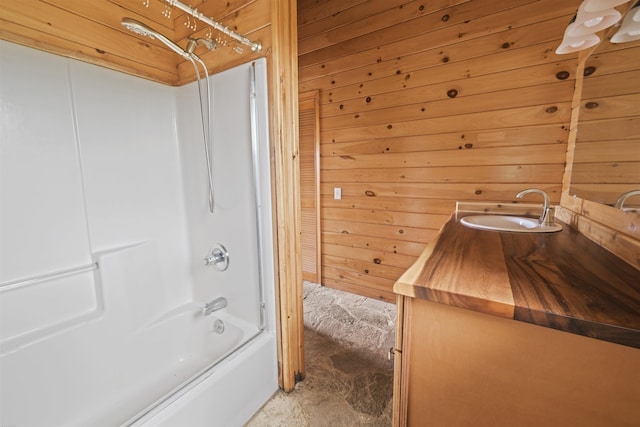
{"points": [[105, 225]]}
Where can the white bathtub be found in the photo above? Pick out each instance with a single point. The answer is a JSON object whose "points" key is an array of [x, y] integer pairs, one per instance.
{"points": [[226, 395], [210, 368], [121, 377]]}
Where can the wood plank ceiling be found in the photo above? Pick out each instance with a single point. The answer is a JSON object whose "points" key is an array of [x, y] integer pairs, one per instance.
{"points": [[91, 31]]}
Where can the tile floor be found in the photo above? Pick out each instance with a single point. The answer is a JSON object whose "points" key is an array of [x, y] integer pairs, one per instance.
{"points": [[348, 377]]}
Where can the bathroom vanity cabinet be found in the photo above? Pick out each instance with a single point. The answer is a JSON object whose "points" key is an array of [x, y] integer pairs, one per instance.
{"points": [[517, 329]]}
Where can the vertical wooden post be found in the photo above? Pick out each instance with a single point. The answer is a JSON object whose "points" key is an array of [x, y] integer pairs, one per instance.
{"points": [[575, 112], [284, 131]]}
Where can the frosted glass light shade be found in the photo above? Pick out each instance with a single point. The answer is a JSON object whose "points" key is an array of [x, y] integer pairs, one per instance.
{"points": [[597, 5], [630, 28], [574, 44], [592, 22]]}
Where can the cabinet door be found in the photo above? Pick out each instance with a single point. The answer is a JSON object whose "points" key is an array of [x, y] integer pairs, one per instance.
{"points": [[464, 368]]}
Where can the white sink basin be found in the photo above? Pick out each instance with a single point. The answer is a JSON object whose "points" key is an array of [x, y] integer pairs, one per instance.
{"points": [[508, 223]]}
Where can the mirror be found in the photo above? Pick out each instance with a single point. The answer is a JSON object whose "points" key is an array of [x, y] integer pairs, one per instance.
{"points": [[607, 155]]}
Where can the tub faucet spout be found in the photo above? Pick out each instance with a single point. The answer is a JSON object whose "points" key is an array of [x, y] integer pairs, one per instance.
{"points": [[215, 305], [547, 211]]}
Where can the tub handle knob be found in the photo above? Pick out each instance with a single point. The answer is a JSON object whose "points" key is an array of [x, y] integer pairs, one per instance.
{"points": [[218, 257]]}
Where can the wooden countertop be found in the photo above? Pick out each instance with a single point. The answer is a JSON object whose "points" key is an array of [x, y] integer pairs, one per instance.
{"points": [[558, 280]]}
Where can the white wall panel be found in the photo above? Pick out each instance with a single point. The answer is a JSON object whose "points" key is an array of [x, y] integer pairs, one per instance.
{"points": [[131, 169], [42, 217], [233, 222]]}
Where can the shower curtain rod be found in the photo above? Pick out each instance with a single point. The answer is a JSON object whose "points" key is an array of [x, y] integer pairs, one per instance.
{"points": [[255, 46]]}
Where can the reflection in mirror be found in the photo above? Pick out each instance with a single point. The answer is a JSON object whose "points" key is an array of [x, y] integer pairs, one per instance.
{"points": [[607, 154]]}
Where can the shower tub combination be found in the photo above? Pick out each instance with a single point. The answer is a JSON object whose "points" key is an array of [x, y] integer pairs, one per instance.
{"points": [[123, 299]]}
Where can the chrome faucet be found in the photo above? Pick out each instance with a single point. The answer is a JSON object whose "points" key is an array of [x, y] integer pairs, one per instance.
{"points": [[215, 305], [546, 218], [624, 197], [218, 257]]}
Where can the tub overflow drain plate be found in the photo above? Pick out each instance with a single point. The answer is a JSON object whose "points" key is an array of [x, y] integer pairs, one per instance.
{"points": [[218, 326]]}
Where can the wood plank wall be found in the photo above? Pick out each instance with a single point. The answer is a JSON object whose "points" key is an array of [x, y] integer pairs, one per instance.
{"points": [[607, 154], [613, 229], [422, 104]]}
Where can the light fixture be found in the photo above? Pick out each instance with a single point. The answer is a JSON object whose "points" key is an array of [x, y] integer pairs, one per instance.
{"points": [[630, 28], [592, 22], [596, 5], [574, 44]]}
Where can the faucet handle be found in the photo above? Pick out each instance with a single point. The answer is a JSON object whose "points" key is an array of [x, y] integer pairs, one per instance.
{"points": [[218, 257], [548, 217]]}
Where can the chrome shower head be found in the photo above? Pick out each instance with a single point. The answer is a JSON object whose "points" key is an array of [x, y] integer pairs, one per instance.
{"points": [[140, 28]]}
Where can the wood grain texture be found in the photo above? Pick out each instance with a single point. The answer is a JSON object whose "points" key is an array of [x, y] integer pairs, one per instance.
{"points": [[558, 280], [615, 168], [423, 104], [464, 368], [614, 230], [564, 281], [91, 32], [309, 143], [472, 276], [283, 96], [608, 125]]}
